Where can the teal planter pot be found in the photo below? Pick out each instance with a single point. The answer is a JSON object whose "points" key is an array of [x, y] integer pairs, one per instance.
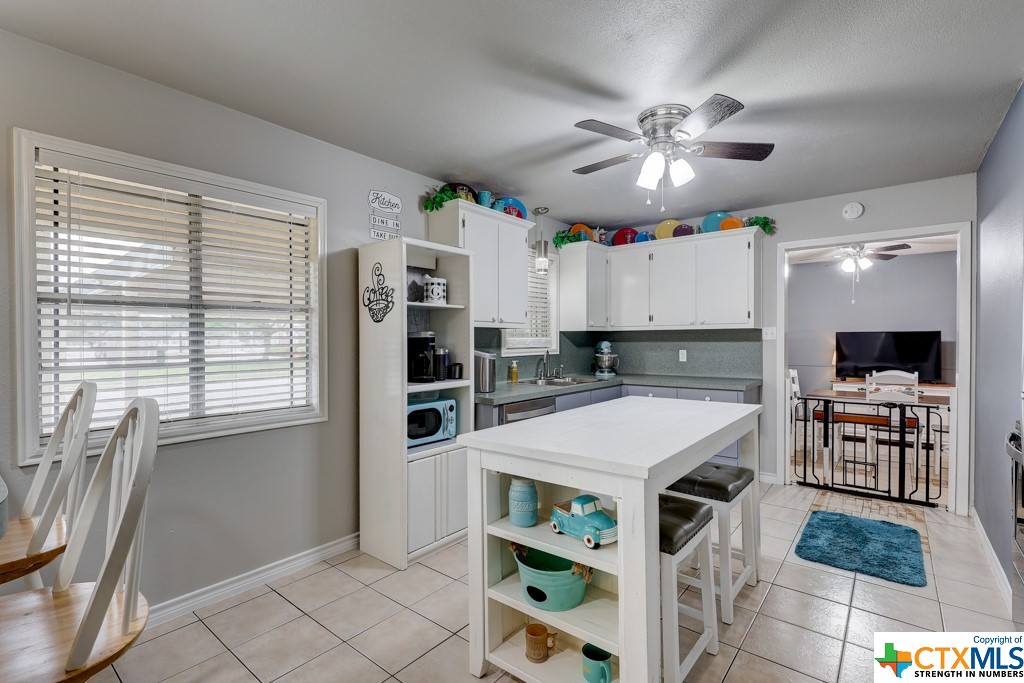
{"points": [[522, 502], [549, 582]]}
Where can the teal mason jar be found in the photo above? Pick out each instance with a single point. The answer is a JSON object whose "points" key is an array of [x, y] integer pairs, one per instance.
{"points": [[522, 502]]}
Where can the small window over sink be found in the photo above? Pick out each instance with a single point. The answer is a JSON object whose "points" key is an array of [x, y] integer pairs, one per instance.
{"points": [[541, 331]]}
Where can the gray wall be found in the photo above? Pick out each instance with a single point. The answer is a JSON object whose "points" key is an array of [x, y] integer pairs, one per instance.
{"points": [[998, 351], [932, 202], [907, 293], [220, 507]]}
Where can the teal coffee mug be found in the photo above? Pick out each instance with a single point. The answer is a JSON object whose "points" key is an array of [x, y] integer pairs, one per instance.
{"points": [[597, 665]]}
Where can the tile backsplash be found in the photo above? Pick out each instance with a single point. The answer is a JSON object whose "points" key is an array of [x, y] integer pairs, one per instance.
{"points": [[710, 353]]}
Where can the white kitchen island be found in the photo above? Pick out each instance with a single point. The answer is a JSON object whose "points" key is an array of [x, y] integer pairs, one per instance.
{"points": [[627, 451]]}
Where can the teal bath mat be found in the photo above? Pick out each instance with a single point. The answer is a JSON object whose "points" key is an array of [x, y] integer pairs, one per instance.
{"points": [[883, 549]]}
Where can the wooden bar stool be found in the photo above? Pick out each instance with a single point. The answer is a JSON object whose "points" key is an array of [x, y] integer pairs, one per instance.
{"points": [[683, 530], [33, 541], [724, 487], [73, 631]]}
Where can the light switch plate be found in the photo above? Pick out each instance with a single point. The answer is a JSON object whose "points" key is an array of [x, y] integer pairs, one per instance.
{"points": [[682, 355], [768, 333]]}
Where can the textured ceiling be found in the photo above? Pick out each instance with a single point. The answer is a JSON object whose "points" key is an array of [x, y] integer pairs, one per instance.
{"points": [[856, 94]]}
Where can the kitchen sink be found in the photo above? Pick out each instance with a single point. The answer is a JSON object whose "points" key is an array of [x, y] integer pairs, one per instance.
{"points": [[559, 381]]}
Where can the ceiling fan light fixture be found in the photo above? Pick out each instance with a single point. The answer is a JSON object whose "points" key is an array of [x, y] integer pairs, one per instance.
{"points": [[848, 265], [864, 262], [681, 172], [652, 171]]}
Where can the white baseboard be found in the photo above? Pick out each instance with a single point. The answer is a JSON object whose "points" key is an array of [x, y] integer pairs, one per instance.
{"points": [[190, 602], [769, 478], [1002, 582]]}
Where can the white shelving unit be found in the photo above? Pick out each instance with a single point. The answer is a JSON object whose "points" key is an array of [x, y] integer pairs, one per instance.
{"points": [[412, 499], [594, 621]]}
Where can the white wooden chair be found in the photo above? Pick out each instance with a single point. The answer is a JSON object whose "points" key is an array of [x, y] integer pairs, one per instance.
{"points": [[33, 541], [73, 631], [892, 385]]}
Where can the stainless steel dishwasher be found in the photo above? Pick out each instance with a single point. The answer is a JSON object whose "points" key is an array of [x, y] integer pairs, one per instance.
{"points": [[525, 410]]}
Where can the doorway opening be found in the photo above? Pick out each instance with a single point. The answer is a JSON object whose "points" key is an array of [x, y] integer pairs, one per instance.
{"points": [[855, 304]]}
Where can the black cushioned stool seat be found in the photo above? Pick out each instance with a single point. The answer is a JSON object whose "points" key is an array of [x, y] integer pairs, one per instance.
{"points": [[679, 521], [714, 481]]}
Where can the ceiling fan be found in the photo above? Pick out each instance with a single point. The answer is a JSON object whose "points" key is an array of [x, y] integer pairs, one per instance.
{"points": [[668, 132], [856, 257]]}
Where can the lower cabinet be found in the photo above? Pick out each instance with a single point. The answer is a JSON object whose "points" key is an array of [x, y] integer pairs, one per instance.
{"points": [[437, 498]]}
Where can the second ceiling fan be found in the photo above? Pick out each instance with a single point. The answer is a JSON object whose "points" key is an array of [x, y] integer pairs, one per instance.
{"points": [[668, 133]]}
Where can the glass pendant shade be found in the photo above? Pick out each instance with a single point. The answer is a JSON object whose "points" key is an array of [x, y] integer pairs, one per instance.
{"points": [[681, 172], [848, 265], [864, 263], [652, 171], [541, 264]]}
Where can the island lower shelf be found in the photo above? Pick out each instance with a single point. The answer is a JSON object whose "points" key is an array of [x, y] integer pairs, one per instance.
{"points": [[540, 536], [565, 663], [595, 620]]}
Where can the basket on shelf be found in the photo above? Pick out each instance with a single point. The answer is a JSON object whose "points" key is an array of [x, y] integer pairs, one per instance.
{"points": [[550, 583]]}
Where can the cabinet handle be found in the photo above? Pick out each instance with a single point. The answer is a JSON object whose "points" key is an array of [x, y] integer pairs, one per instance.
{"points": [[591, 323], [493, 319], [650, 395], [707, 398], [501, 320], [701, 322]]}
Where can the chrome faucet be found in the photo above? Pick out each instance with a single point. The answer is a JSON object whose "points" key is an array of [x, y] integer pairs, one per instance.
{"points": [[542, 367]]}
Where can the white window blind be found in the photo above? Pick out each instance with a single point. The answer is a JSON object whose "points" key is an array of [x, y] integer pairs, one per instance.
{"points": [[200, 296], [541, 331]]}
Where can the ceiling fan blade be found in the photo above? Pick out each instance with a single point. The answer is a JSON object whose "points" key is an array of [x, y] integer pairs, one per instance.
{"points": [[747, 151], [595, 126], [882, 257], [892, 247], [715, 109], [614, 161]]}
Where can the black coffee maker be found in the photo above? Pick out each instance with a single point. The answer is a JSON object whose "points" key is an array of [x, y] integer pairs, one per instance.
{"points": [[421, 357]]}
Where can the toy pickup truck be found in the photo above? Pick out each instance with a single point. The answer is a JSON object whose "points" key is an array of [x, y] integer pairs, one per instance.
{"points": [[583, 518]]}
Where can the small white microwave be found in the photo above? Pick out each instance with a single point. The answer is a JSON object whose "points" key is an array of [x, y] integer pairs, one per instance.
{"points": [[430, 421]]}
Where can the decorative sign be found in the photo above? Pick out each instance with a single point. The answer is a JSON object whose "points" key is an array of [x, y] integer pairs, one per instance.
{"points": [[384, 227], [378, 234], [384, 201], [378, 298]]}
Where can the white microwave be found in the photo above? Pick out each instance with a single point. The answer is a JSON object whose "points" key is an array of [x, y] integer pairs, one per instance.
{"points": [[430, 421]]}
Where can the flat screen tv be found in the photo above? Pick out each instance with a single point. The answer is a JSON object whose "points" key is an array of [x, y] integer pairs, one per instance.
{"points": [[858, 354]]}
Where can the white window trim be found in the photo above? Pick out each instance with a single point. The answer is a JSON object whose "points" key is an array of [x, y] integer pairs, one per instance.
{"points": [[515, 352], [28, 451]]}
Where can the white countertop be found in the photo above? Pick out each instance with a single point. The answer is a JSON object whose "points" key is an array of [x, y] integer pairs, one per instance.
{"points": [[627, 436]]}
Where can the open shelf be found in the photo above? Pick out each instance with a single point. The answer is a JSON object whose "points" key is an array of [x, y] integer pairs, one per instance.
{"points": [[423, 304], [541, 537], [565, 663], [595, 620], [423, 388]]}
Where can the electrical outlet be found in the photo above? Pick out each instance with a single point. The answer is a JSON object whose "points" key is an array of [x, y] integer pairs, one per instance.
{"points": [[682, 355], [768, 333]]}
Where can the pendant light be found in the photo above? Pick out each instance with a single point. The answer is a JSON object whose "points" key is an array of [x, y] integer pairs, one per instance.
{"points": [[652, 171], [540, 247]]}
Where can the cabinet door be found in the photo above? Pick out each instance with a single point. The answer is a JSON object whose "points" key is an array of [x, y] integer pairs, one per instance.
{"points": [[456, 492], [512, 276], [572, 401], [481, 238], [629, 275], [422, 499], [723, 281], [606, 394], [597, 289], [673, 276], [720, 395]]}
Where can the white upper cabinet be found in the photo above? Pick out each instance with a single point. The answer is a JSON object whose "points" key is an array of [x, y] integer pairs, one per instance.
{"points": [[727, 295], [498, 243], [629, 292], [703, 281], [583, 287], [673, 280]]}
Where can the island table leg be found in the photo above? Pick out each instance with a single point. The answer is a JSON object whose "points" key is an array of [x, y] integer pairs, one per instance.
{"points": [[750, 457], [477, 483], [639, 584]]}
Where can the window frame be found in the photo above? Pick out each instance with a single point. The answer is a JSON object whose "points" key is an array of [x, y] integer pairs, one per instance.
{"points": [[27, 390], [553, 302]]}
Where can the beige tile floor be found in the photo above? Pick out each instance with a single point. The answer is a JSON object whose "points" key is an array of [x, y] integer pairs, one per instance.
{"points": [[353, 619]]}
